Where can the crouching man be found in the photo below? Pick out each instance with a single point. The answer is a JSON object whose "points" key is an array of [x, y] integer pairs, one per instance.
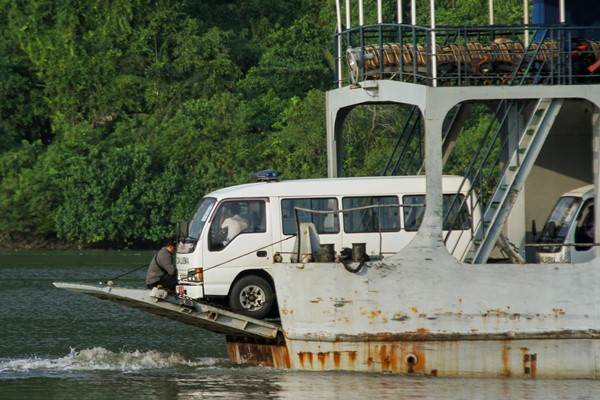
{"points": [[161, 271]]}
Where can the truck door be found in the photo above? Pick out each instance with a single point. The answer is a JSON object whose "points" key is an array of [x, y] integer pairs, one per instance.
{"points": [[238, 238], [584, 235]]}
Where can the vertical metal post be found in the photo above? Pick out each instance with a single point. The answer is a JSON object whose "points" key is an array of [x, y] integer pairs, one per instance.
{"points": [[491, 11], [399, 9], [561, 11], [361, 13], [596, 167], [433, 44], [379, 12], [526, 21], [348, 15], [413, 21], [339, 42], [298, 235]]}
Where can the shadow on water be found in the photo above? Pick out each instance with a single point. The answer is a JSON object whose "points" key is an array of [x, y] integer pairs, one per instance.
{"points": [[60, 345]]}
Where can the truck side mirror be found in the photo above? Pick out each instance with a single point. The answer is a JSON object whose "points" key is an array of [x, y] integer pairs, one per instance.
{"points": [[182, 229], [534, 231], [552, 229]]}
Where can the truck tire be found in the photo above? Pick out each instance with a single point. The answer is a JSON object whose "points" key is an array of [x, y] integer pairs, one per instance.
{"points": [[252, 296]]}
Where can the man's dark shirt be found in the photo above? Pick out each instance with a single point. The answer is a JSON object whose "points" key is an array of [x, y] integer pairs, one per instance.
{"points": [[162, 259]]}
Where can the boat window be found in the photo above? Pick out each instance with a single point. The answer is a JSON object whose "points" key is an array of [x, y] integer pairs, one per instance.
{"points": [[384, 219], [200, 217], [234, 218], [560, 220], [459, 218], [584, 233], [325, 223]]}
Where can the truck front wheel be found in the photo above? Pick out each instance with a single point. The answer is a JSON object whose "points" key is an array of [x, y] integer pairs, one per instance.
{"points": [[252, 296]]}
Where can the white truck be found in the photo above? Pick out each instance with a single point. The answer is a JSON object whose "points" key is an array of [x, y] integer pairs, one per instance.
{"points": [[237, 233]]}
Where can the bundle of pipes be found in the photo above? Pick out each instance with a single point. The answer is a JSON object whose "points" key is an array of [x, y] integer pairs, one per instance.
{"points": [[501, 57]]}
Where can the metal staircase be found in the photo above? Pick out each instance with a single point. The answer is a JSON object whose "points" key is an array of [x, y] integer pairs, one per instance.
{"points": [[513, 179]]}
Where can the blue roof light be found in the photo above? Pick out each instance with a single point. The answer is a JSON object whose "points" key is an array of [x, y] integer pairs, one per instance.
{"points": [[266, 175]]}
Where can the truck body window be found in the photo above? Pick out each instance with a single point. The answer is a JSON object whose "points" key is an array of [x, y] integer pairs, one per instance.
{"points": [[385, 219], [459, 218], [325, 223]]}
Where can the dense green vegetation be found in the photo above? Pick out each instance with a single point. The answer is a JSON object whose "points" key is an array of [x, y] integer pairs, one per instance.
{"points": [[117, 116]]}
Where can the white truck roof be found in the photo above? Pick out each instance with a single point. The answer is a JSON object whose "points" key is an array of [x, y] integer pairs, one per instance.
{"points": [[339, 186], [580, 192]]}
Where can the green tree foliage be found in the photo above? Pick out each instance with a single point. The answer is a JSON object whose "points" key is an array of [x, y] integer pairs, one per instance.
{"points": [[118, 116]]}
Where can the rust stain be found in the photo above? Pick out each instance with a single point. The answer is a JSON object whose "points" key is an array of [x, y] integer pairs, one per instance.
{"points": [[395, 355], [414, 309], [385, 358], [352, 358], [284, 311], [529, 362], [434, 372], [337, 359], [232, 352], [374, 314], [422, 332], [322, 357], [505, 358], [306, 358], [266, 355]]}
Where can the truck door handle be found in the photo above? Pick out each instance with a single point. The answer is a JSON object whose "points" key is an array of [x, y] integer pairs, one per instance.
{"points": [[261, 253]]}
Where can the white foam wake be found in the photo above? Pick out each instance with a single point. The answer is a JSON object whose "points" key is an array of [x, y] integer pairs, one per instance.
{"points": [[99, 358]]}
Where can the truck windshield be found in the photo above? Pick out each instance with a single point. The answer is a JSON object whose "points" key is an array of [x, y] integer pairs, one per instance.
{"points": [[200, 217], [560, 220]]}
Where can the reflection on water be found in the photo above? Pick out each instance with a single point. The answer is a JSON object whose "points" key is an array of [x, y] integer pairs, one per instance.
{"points": [[60, 345]]}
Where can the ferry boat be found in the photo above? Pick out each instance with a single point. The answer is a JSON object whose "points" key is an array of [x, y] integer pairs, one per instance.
{"points": [[422, 310]]}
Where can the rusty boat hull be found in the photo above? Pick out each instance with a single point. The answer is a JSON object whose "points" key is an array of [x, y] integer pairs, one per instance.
{"points": [[423, 312], [544, 358]]}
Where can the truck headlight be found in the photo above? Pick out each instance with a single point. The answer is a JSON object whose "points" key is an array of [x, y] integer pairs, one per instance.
{"points": [[196, 275]]}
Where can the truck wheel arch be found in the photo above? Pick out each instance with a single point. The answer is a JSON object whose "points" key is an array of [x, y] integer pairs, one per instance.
{"points": [[258, 272]]}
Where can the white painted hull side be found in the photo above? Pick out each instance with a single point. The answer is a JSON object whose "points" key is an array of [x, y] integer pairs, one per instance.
{"points": [[421, 311]]}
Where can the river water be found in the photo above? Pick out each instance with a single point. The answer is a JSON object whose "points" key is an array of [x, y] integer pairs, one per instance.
{"points": [[60, 345]]}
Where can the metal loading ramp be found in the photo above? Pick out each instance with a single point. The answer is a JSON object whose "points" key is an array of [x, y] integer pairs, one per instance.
{"points": [[190, 312]]}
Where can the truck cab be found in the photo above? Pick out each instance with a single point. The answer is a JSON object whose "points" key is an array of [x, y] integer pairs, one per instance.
{"points": [[568, 233]]}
